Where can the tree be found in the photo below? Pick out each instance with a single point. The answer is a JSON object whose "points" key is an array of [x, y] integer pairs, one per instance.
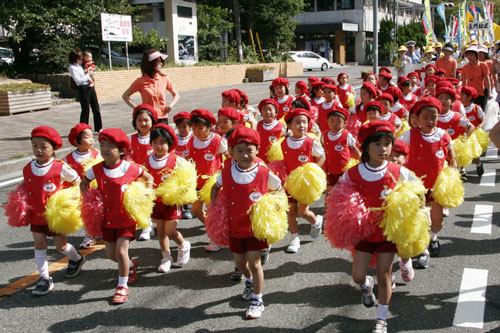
{"points": [[143, 41], [213, 22], [411, 31]]}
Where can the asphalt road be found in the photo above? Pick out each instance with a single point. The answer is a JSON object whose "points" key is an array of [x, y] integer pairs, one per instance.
{"points": [[309, 291]]}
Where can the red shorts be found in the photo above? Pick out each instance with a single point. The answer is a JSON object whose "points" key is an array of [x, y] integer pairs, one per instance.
{"points": [[379, 247], [43, 229], [243, 245], [164, 212], [112, 235], [332, 179]]}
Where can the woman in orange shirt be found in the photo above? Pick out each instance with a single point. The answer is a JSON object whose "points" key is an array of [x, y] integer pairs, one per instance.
{"points": [[475, 74], [153, 85]]}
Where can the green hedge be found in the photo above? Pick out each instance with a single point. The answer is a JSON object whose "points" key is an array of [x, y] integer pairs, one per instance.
{"points": [[23, 87]]}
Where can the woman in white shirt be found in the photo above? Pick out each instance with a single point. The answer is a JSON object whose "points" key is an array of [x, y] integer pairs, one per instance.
{"points": [[86, 93]]}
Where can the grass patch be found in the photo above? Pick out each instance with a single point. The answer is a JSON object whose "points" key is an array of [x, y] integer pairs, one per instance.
{"points": [[23, 87], [18, 155]]}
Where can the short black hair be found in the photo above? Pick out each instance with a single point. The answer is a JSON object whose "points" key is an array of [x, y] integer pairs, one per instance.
{"points": [[138, 113], [79, 137], [159, 132], [182, 121], [336, 113], [299, 104], [374, 138], [200, 120], [374, 108]]}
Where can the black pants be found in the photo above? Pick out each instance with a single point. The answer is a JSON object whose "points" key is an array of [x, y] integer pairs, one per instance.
{"points": [[482, 100], [88, 96], [163, 120]]}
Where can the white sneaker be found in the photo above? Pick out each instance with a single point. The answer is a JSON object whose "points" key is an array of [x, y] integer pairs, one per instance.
{"points": [[87, 242], [446, 212], [147, 233], [165, 265], [255, 309], [183, 254], [317, 227], [294, 245]]}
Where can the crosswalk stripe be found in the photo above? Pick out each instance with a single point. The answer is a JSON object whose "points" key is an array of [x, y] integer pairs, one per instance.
{"points": [[481, 223], [471, 300], [488, 178], [491, 152]]}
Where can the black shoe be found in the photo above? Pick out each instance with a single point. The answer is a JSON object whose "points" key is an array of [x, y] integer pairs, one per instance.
{"points": [[463, 174], [237, 275], [434, 248], [422, 261], [74, 267], [264, 255], [480, 169], [43, 286]]}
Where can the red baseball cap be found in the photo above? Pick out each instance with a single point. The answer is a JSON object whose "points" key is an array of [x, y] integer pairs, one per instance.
{"points": [[342, 73], [330, 86], [445, 83], [454, 81], [328, 80], [268, 101], [469, 90], [371, 88], [317, 84], [232, 95], [401, 147], [402, 80], [430, 66], [205, 114], [448, 91], [373, 127], [427, 101], [394, 91], [182, 115], [297, 112], [313, 79], [432, 78], [413, 74], [116, 136], [339, 110], [302, 85], [385, 75], [373, 104], [386, 97], [146, 107], [365, 78], [244, 134], [75, 131], [279, 81], [170, 131], [441, 71], [384, 68], [242, 94], [230, 113], [48, 133]]}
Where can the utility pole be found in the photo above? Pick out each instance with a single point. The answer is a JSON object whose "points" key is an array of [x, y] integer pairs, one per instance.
{"points": [[237, 29], [375, 36]]}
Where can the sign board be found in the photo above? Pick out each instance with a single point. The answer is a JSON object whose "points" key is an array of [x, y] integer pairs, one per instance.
{"points": [[349, 26], [484, 25], [116, 28]]}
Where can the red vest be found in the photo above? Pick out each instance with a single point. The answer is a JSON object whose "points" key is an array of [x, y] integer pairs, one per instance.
{"points": [[208, 161], [392, 118], [40, 188], [455, 107], [361, 113], [427, 158], [375, 192], [283, 108], [182, 150], [337, 153], [316, 104], [160, 175], [115, 215], [297, 157], [453, 127], [267, 138], [343, 96], [139, 151], [323, 115], [473, 116], [78, 167], [408, 104], [241, 197], [401, 112]]}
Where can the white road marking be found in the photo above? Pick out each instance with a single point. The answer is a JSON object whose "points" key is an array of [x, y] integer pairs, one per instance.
{"points": [[488, 178], [481, 223], [491, 152], [11, 181], [471, 300]]}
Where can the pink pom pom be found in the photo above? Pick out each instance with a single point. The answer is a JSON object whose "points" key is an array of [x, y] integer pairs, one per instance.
{"points": [[216, 221], [347, 219], [279, 169], [353, 125], [314, 112], [16, 208], [92, 212]]}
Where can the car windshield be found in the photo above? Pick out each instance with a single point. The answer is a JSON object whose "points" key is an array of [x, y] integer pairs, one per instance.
{"points": [[6, 54]]}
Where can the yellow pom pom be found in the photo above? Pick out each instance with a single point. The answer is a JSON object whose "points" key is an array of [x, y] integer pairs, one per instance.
{"points": [[405, 127], [180, 187], [204, 193], [463, 151], [417, 247], [274, 153], [138, 202], [350, 100], [89, 163], [405, 214], [307, 183], [474, 145], [352, 162], [448, 190], [483, 138], [63, 211], [269, 217]]}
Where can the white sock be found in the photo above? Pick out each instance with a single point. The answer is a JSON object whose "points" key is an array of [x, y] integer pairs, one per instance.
{"points": [[42, 263], [180, 247], [257, 297], [250, 279], [71, 252], [433, 235], [296, 235], [166, 254], [366, 284], [122, 281], [130, 264], [382, 311]]}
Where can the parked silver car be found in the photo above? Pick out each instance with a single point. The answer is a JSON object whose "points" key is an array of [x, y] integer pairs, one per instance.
{"points": [[118, 59], [6, 56]]}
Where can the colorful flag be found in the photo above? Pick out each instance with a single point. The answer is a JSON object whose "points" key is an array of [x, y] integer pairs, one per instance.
{"points": [[441, 11]]}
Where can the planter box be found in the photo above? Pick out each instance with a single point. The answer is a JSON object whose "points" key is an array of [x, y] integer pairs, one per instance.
{"points": [[260, 75], [11, 102]]}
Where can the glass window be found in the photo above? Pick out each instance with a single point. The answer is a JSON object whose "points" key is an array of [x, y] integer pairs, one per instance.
{"points": [[309, 5], [346, 4], [324, 5], [183, 11]]}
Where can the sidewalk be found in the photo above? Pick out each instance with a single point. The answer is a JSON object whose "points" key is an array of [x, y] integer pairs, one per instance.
{"points": [[15, 144]]}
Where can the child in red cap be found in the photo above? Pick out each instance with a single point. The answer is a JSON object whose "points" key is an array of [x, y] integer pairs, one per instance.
{"points": [[182, 122], [248, 113], [386, 100], [344, 89], [454, 123], [299, 149], [329, 94], [430, 146], [160, 164], [407, 98], [205, 149], [118, 229], [367, 93], [301, 89], [384, 81], [144, 118], [82, 137], [415, 87], [269, 128], [43, 177], [281, 94], [244, 183], [317, 93], [228, 118]]}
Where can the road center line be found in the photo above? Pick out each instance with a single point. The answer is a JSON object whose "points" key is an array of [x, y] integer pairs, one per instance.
{"points": [[488, 178], [471, 300], [481, 223]]}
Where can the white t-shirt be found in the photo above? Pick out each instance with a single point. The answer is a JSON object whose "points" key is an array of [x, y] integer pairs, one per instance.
{"points": [[446, 118], [432, 137], [202, 144], [80, 157], [317, 150], [143, 140], [117, 172], [351, 141], [247, 176], [371, 174], [67, 173]]}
